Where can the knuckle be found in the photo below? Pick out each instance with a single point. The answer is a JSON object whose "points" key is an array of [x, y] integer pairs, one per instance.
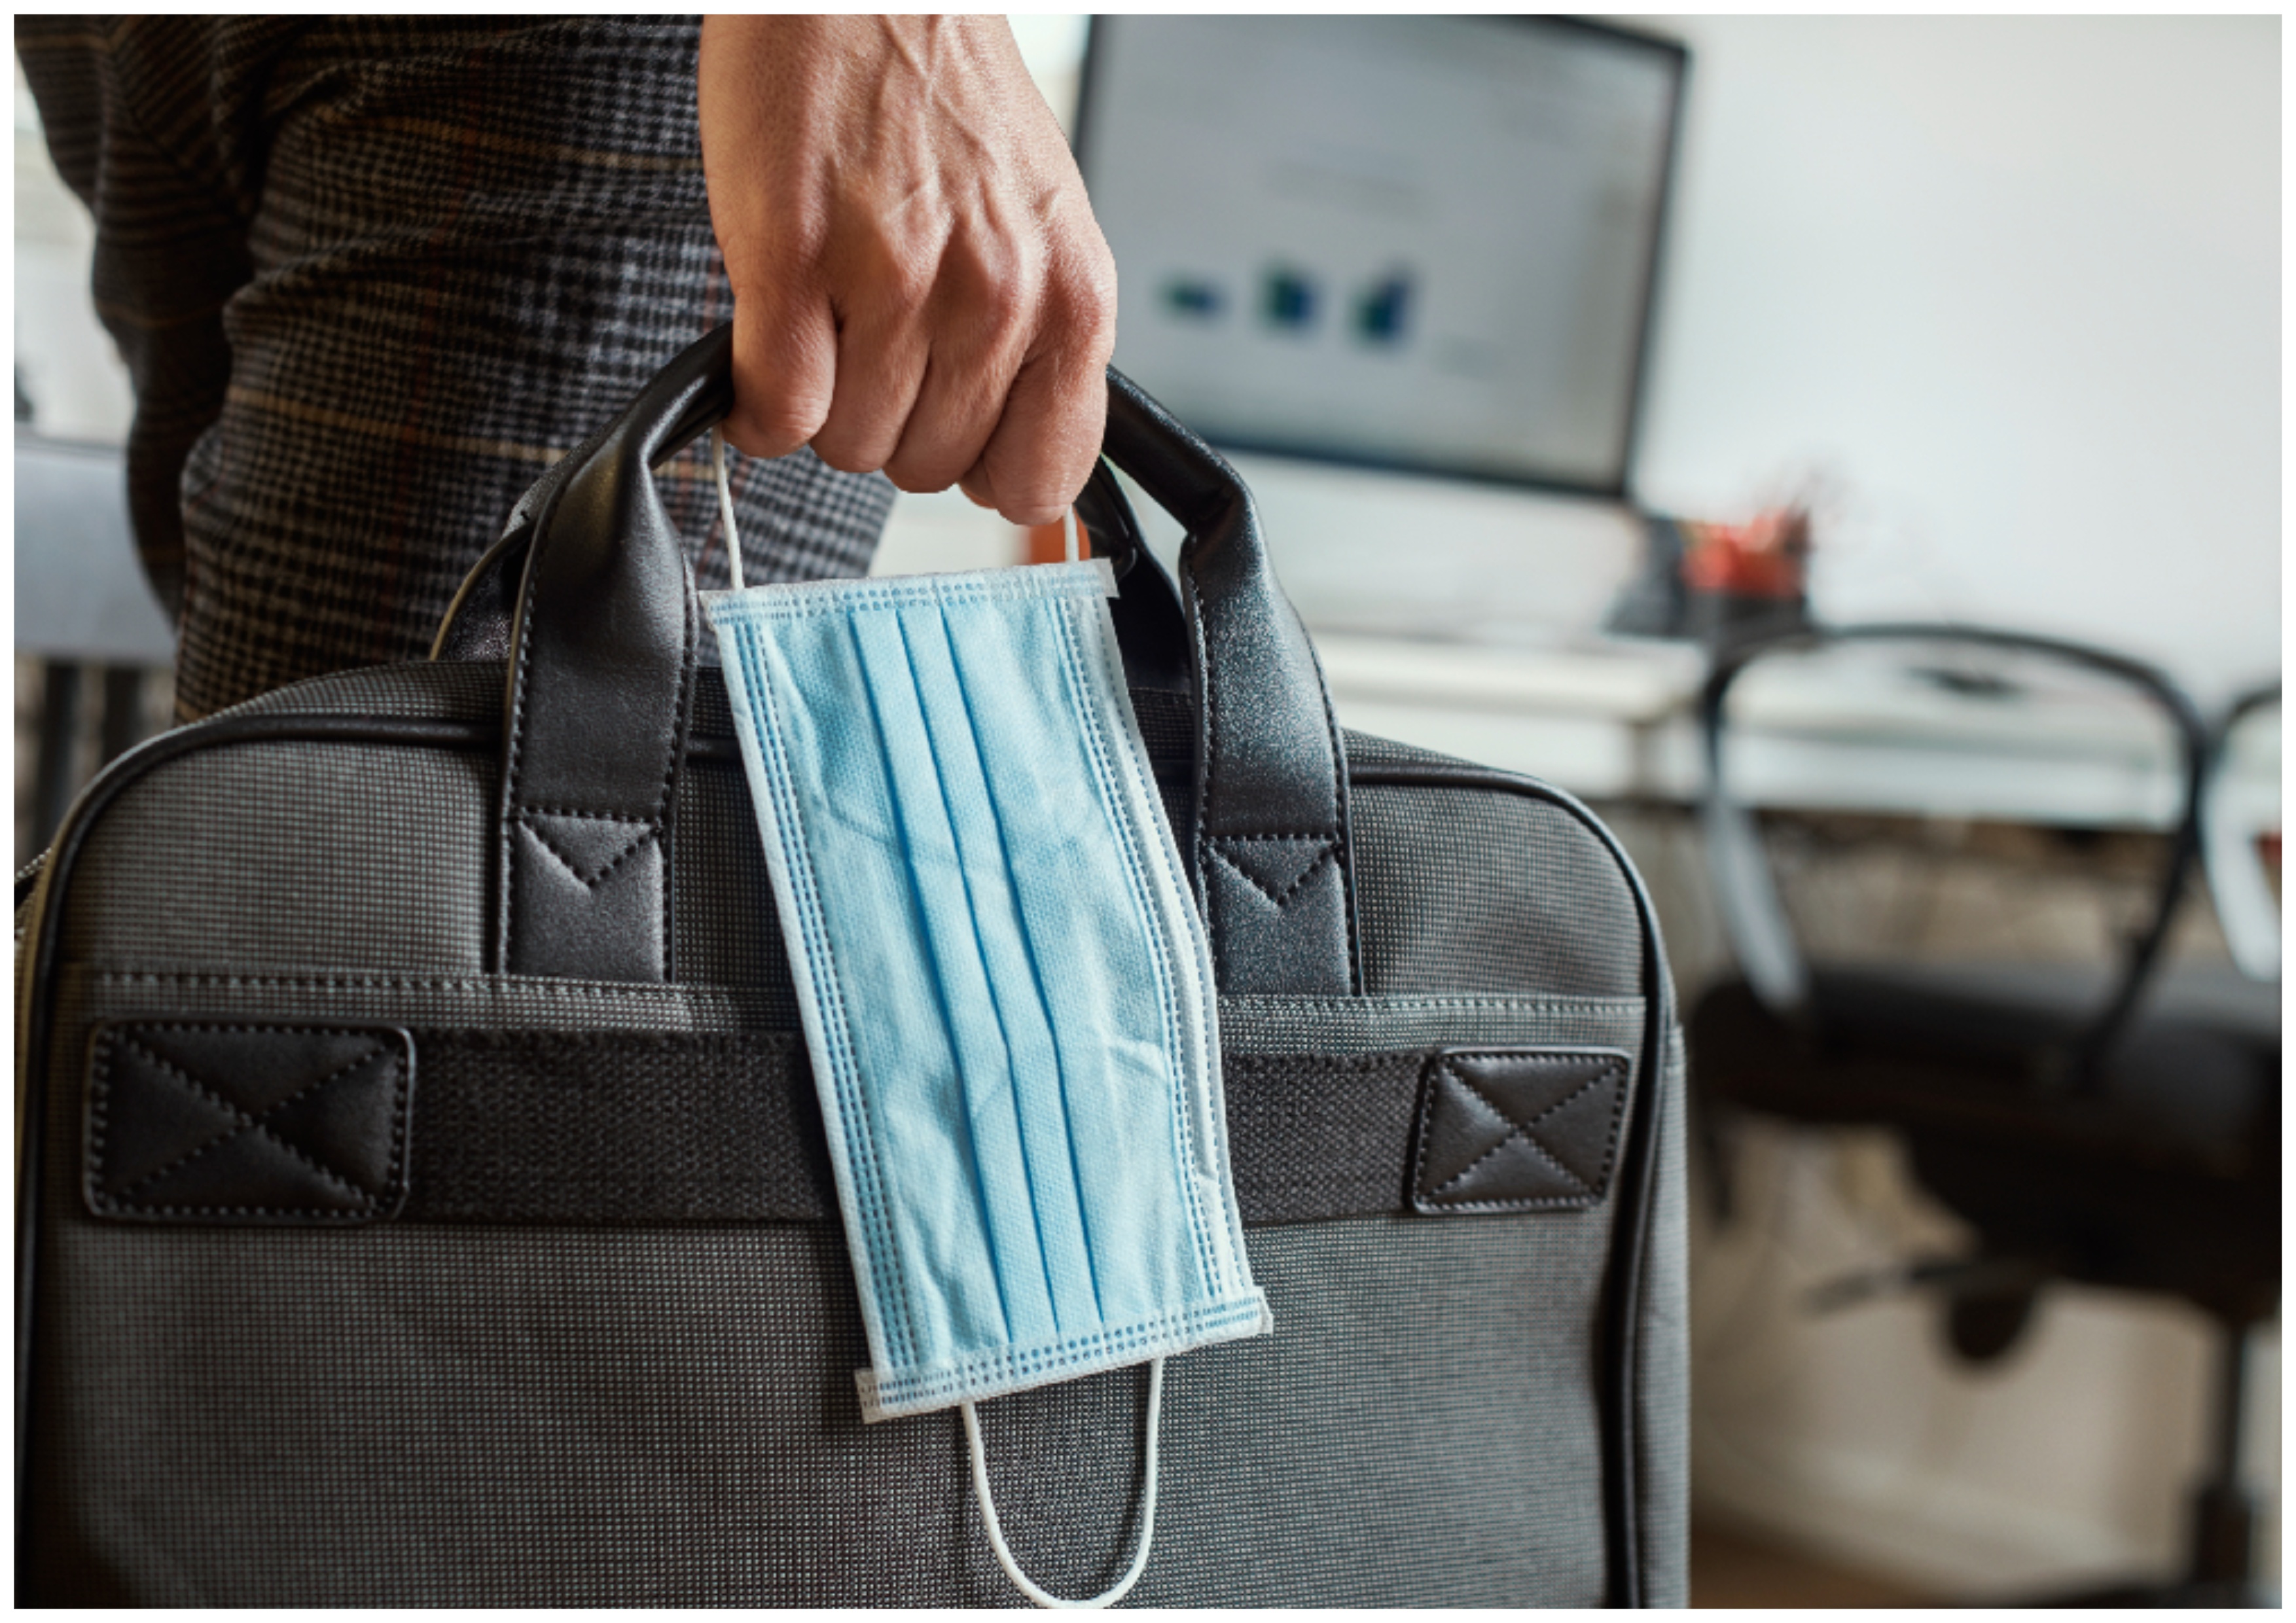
{"points": [[844, 457], [993, 289], [908, 288], [918, 477], [1003, 309], [1028, 495], [851, 445], [774, 428], [1088, 318]]}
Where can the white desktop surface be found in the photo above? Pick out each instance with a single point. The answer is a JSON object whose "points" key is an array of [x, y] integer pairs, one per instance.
{"points": [[1461, 619]]}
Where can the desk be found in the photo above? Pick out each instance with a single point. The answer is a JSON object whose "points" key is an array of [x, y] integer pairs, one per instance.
{"points": [[1615, 721], [1614, 718], [1603, 723]]}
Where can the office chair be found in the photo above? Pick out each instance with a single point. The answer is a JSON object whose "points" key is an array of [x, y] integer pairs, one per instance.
{"points": [[2108, 1123], [2234, 829]]}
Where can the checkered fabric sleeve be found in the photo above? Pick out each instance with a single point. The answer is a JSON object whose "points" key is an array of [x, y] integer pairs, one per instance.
{"points": [[371, 276]]}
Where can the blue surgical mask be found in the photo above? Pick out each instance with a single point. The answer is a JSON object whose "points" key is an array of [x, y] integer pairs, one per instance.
{"points": [[1006, 991]]}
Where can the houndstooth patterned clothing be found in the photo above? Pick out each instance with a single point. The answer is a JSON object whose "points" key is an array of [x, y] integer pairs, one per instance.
{"points": [[371, 276]]}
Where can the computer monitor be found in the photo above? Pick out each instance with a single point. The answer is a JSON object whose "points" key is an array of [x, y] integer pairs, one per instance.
{"points": [[1414, 242]]}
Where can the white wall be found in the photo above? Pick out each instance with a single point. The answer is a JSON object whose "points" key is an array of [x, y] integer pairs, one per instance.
{"points": [[2010, 286]]}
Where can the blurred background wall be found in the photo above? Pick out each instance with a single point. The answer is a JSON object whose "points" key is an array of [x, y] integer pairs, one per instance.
{"points": [[2003, 294], [2008, 289]]}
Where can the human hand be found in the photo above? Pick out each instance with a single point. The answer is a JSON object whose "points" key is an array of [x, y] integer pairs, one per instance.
{"points": [[919, 284]]}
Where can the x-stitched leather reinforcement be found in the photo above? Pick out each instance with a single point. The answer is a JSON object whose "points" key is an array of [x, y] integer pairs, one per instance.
{"points": [[1517, 1129], [245, 1122], [189, 1121]]}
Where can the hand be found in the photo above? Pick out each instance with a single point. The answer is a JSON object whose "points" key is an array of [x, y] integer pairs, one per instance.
{"points": [[919, 284]]}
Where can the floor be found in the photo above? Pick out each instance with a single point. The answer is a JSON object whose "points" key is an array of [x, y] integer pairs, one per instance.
{"points": [[1731, 1568]]}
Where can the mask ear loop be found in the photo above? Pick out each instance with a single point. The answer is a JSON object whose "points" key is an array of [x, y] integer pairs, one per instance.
{"points": [[1043, 1598], [726, 505], [1072, 535]]}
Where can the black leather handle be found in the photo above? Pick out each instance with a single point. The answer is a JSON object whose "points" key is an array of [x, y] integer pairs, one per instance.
{"points": [[1270, 845], [601, 654], [601, 639]]}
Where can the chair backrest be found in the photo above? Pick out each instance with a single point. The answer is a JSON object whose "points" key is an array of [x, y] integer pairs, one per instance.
{"points": [[1945, 719], [2240, 812]]}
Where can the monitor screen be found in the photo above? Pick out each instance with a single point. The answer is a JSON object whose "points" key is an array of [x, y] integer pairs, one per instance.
{"points": [[1421, 242]]}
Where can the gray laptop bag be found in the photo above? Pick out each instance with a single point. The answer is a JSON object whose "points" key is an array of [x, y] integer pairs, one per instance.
{"points": [[424, 1198]]}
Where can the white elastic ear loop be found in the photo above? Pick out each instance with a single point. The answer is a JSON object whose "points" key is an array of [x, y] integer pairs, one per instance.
{"points": [[726, 505], [1147, 1511], [1071, 534]]}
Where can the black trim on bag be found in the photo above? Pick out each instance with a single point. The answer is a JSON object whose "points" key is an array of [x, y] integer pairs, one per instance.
{"points": [[647, 1128]]}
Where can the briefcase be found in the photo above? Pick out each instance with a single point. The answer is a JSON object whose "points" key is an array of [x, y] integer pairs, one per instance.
{"points": [[423, 1197]]}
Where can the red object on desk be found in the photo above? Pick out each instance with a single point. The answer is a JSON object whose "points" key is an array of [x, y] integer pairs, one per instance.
{"points": [[1767, 556]]}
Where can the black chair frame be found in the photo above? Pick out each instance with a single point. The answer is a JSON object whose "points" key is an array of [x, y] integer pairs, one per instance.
{"points": [[1753, 914]]}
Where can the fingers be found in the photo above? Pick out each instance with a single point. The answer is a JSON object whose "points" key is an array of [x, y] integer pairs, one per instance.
{"points": [[1048, 430], [986, 315], [1042, 449], [785, 368], [919, 285], [968, 373], [1016, 417], [885, 300]]}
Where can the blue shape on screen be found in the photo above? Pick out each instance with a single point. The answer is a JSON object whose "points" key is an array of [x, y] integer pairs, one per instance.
{"points": [[1194, 298], [1288, 300], [1383, 317]]}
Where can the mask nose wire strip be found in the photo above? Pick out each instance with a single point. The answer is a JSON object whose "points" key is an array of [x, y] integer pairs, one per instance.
{"points": [[1123, 1586], [726, 506]]}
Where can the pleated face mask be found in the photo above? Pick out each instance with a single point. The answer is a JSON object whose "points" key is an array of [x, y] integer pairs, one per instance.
{"points": [[1005, 987]]}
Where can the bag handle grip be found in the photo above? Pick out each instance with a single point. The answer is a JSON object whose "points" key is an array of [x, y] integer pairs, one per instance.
{"points": [[601, 641]]}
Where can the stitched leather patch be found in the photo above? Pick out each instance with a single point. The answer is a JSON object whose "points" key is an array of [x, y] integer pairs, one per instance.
{"points": [[1517, 1129], [191, 1122]]}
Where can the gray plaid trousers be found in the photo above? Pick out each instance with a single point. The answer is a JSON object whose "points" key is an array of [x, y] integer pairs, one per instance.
{"points": [[371, 276]]}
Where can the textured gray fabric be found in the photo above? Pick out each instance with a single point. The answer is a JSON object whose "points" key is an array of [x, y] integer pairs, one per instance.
{"points": [[1479, 892], [668, 1417], [501, 1003], [418, 1412], [299, 855], [420, 688], [428, 1412], [1284, 1024], [727, 932]]}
